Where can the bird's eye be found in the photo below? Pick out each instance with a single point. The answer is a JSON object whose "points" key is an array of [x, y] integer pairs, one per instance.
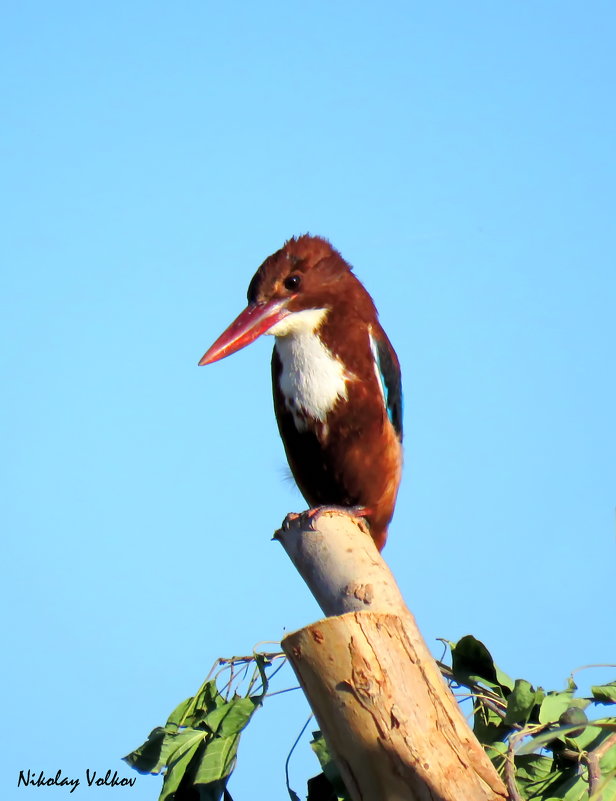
{"points": [[292, 282]]}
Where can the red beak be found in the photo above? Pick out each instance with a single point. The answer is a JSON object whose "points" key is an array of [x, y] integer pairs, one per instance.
{"points": [[256, 319]]}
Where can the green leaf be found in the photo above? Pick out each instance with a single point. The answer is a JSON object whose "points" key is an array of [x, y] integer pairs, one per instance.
{"points": [[553, 706], [319, 746], [471, 659], [488, 726], [208, 697], [591, 737], [176, 718], [608, 760], [571, 685], [604, 693], [191, 711], [179, 764], [217, 759], [152, 756], [544, 739], [606, 790], [504, 681], [196, 750], [533, 772], [496, 749], [520, 703], [568, 786], [233, 716], [496, 753], [330, 769], [182, 741]]}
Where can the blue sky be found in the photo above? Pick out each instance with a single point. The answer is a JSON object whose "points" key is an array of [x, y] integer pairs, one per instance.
{"points": [[461, 156]]}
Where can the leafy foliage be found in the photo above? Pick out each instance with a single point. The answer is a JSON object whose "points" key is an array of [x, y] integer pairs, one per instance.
{"points": [[543, 743], [546, 745], [196, 748], [327, 786]]}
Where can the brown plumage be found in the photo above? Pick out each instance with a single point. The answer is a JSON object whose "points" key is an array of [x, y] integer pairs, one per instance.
{"points": [[335, 375]]}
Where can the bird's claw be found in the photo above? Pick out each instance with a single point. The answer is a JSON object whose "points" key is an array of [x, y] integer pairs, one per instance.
{"points": [[289, 519], [308, 518], [352, 511]]}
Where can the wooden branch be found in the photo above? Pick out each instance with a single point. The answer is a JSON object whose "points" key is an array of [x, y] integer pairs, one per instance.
{"points": [[391, 722], [339, 562]]}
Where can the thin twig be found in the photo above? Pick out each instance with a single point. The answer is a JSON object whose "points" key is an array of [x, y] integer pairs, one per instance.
{"points": [[490, 699], [286, 764], [270, 656], [512, 785], [510, 780], [481, 696], [586, 667], [280, 692], [592, 758]]}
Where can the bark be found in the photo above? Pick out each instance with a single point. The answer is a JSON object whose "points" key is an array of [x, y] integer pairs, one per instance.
{"points": [[390, 720]]}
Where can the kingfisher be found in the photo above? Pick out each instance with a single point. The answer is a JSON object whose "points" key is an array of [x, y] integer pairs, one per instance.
{"points": [[335, 376]]}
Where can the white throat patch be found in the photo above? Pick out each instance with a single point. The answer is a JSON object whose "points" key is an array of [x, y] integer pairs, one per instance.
{"points": [[312, 379]]}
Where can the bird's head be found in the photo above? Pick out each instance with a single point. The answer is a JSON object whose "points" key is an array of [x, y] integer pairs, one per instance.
{"points": [[306, 275]]}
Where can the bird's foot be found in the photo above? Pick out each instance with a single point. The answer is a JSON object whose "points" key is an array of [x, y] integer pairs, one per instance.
{"points": [[310, 516], [352, 511], [308, 519], [289, 520]]}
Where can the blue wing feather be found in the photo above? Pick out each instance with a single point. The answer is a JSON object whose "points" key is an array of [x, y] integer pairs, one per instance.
{"points": [[388, 371]]}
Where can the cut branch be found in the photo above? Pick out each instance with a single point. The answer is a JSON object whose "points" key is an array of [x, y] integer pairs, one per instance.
{"points": [[391, 722]]}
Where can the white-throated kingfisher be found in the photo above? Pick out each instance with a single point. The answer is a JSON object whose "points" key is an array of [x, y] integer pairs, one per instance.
{"points": [[335, 375]]}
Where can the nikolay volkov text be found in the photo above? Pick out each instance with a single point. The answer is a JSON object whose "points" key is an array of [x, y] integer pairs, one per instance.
{"points": [[30, 778]]}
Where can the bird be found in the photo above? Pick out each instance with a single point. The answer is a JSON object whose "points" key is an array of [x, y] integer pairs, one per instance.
{"points": [[335, 377]]}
